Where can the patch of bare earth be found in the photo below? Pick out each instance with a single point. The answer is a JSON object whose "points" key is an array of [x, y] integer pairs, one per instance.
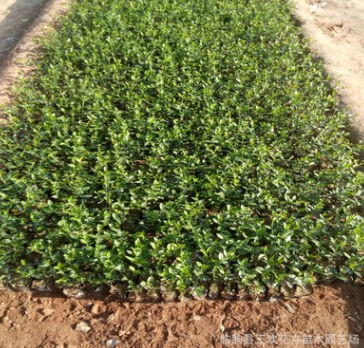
{"points": [[331, 314], [336, 28], [21, 22], [332, 317], [15, 19]]}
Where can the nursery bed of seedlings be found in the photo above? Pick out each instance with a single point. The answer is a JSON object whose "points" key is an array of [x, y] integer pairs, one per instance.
{"points": [[178, 149]]}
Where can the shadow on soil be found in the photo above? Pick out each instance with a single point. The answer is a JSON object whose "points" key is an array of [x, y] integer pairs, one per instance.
{"points": [[20, 16], [353, 295]]}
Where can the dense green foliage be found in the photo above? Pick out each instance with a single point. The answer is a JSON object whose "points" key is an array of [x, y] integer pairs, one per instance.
{"points": [[174, 141]]}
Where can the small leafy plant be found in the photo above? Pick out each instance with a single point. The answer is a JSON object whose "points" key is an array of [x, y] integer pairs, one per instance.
{"points": [[178, 142]]}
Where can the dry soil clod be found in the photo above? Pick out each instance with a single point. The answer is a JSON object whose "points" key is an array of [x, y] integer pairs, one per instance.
{"points": [[42, 286], [83, 327], [168, 294], [20, 285], [215, 289], [243, 293], [229, 290], [153, 294], [258, 292], [185, 295], [77, 291], [137, 296], [287, 289], [303, 290], [119, 288], [272, 289]]}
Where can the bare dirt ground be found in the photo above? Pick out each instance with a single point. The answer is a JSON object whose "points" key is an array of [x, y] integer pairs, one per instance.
{"points": [[15, 19], [21, 22], [332, 317], [336, 28], [331, 314]]}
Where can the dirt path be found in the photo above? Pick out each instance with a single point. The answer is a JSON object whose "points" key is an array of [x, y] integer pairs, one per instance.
{"points": [[15, 18], [337, 29], [20, 22]]}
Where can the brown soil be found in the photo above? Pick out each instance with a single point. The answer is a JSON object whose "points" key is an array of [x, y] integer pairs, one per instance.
{"points": [[337, 309], [15, 20], [336, 28], [17, 38]]}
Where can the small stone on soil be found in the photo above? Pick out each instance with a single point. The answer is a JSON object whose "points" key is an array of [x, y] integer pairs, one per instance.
{"points": [[83, 327], [110, 343]]}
